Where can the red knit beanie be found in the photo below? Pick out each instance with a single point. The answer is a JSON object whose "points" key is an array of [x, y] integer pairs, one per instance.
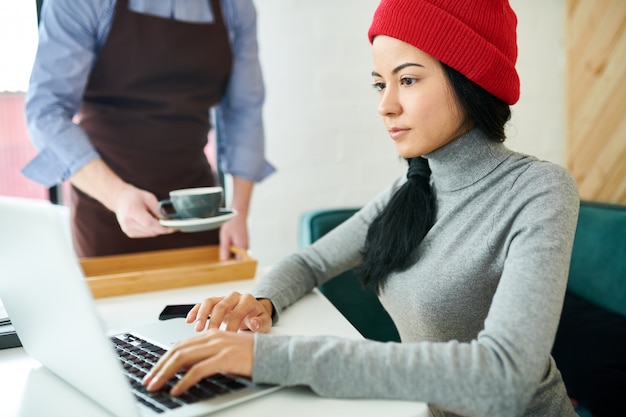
{"points": [[475, 37]]}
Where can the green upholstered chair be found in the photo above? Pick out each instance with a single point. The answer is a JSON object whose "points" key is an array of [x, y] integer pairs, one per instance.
{"points": [[590, 346], [359, 306], [598, 267]]}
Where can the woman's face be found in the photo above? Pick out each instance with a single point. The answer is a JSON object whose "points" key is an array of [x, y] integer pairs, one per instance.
{"points": [[417, 104]]}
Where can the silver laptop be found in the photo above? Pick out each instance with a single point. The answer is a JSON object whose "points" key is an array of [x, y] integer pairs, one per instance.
{"points": [[52, 309]]}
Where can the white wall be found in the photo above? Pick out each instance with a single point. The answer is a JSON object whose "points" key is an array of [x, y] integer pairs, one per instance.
{"points": [[323, 132], [538, 123]]}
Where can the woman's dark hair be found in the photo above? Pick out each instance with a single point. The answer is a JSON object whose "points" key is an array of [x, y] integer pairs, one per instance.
{"points": [[482, 109], [396, 232]]}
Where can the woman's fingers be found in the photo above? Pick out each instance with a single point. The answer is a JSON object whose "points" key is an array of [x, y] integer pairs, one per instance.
{"points": [[263, 321], [246, 308], [165, 359], [231, 313], [202, 356], [187, 358], [235, 312], [201, 313], [222, 309], [193, 313]]}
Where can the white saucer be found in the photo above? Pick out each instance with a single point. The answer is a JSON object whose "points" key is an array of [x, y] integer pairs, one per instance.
{"points": [[198, 224]]}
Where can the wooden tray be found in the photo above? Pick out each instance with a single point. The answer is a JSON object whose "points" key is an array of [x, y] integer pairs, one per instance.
{"points": [[160, 270]]}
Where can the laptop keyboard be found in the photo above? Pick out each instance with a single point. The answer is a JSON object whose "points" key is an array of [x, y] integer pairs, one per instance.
{"points": [[138, 356]]}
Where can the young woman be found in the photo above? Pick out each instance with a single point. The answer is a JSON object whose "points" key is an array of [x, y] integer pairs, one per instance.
{"points": [[469, 254]]}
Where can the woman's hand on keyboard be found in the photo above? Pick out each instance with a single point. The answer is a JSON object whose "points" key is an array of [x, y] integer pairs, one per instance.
{"points": [[207, 354], [233, 312]]}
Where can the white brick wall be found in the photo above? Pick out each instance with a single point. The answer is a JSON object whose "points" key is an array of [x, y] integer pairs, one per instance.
{"points": [[323, 132]]}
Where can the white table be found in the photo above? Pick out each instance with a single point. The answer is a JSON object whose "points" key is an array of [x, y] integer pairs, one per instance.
{"points": [[29, 390]]}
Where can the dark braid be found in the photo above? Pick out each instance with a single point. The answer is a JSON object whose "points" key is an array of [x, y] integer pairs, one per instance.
{"points": [[399, 228]]}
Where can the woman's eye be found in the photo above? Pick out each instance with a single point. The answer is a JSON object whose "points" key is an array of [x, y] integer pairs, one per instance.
{"points": [[379, 86], [407, 81]]}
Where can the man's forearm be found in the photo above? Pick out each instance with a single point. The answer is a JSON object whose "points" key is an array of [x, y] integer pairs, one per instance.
{"points": [[100, 182]]}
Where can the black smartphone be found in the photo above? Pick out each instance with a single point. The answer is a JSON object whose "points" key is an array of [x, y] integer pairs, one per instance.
{"points": [[175, 311]]}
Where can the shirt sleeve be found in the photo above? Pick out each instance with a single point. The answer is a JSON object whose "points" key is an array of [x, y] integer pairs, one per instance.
{"points": [[68, 41], [239, 120]]}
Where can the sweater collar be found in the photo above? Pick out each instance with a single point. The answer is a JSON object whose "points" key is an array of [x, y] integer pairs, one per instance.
{"points": [[465, 160]]}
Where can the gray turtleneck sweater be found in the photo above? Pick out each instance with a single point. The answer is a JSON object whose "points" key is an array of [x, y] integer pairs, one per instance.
{"points": [[477, 313]]}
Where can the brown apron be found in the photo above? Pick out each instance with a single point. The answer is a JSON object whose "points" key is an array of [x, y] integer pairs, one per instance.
{"points": [[146, 110]]}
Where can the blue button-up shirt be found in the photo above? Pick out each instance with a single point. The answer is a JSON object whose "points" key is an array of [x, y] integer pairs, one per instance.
{"points": [[71, 34]]}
